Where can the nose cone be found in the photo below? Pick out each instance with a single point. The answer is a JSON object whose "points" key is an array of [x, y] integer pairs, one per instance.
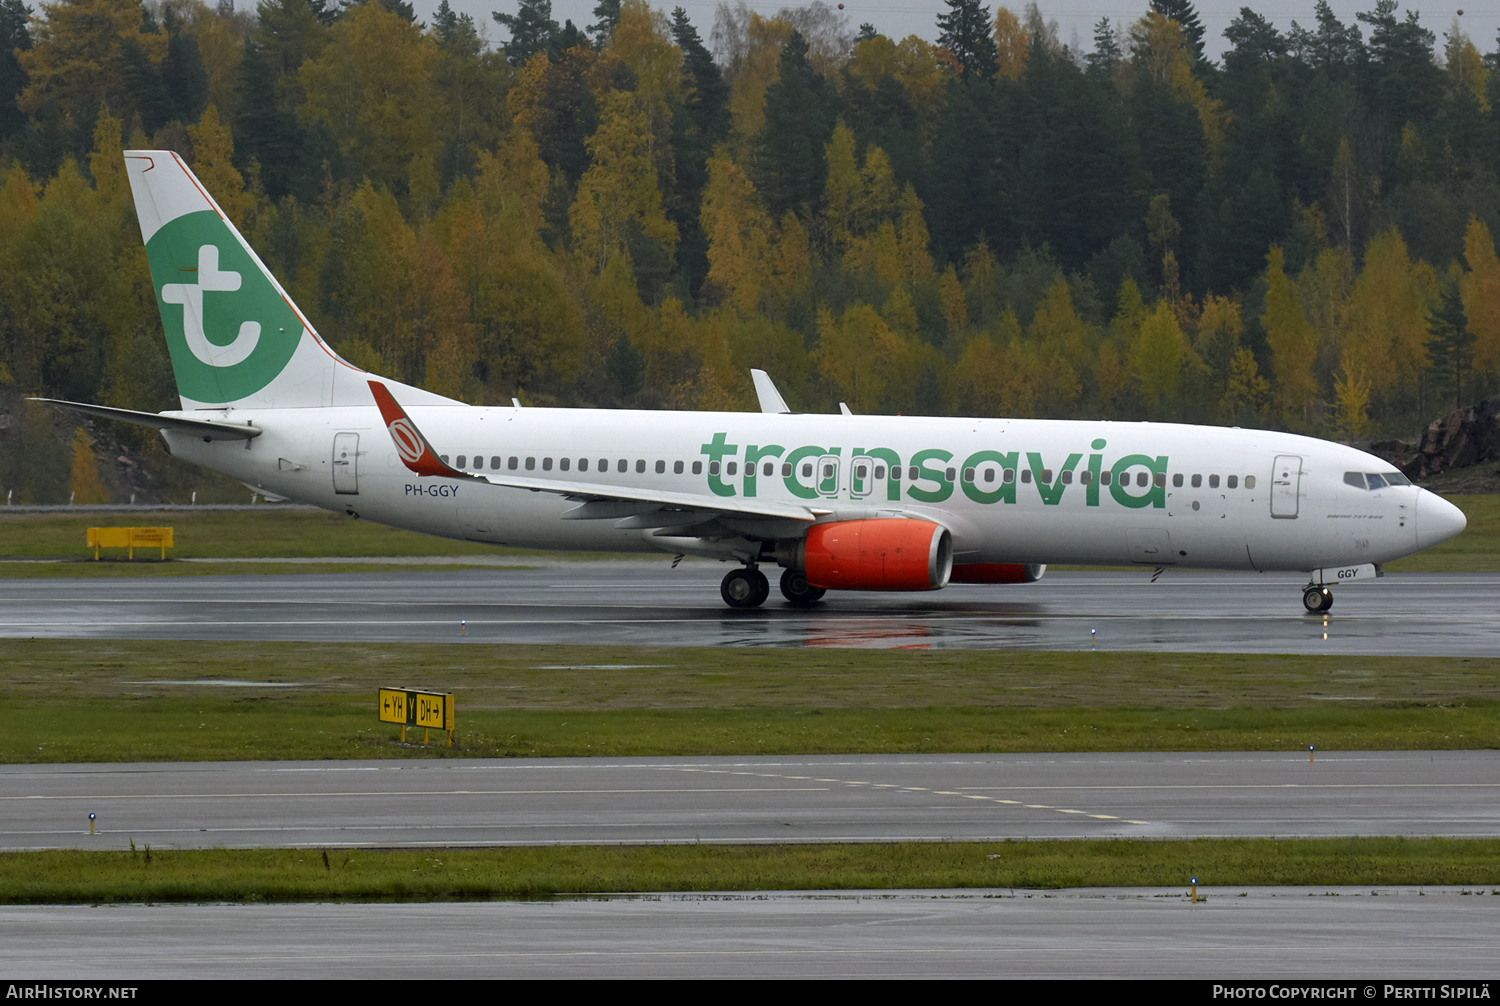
{"points": [[1437, 520]]}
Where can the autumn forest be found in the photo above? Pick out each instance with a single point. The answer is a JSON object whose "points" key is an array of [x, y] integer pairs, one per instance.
{"points": [[634, 212]]}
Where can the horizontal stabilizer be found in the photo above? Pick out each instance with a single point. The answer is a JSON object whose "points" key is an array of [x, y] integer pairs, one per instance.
{"points": [[208, 429]]}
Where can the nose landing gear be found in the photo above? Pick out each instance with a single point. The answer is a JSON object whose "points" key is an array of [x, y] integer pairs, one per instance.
{"points": [[745, 588], [1317, 599]]}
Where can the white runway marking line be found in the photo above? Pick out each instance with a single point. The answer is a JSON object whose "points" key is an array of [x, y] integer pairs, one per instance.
{"points": [[923, 789]]}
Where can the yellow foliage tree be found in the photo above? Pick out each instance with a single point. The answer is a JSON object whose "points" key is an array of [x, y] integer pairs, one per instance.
{"points": [[739, 234], [860, 355], [1480, 290], [618, 193], [1159, 359], [1467, 73], [1293, 343], [373, 89], [1158, 43], [1389, 307], [84, 480], [1012, 44], [213, 152]]}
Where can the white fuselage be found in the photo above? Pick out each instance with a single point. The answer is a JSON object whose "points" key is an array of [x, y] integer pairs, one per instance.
{"points": [[1009, 491]]}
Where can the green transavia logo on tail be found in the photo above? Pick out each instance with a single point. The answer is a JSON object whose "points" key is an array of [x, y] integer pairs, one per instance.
{"points": [[228, 330]]}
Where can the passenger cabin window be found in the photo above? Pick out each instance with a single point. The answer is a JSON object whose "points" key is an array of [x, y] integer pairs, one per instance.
{"points": [[1213, 481], [1026, 475], [1105, 478], [950, 474], [807, 471], [563, 463], [697, 467], [1232, 482], [989, 474], [913, 472], [1067, 478], [880, 471], [713, 468], [1197, 481], [1010, 476], [546, 464], [968, 475], [661, 468], [583, 464], [640, 467], [1142, 479], [462, 461], [1087, 477], [623, 466], [786, 470], [1177, 480], [768, 469], [1046, 476], [676, 467], [530, 464], [443, 458], [495, 463], [734, 467], [1249, 481]]}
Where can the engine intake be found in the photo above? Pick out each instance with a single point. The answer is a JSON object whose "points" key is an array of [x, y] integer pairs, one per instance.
{"points": [[878, 554]]}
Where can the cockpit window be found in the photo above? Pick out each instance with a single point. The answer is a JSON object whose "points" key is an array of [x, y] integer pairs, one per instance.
{"points": [[1372, 481]]}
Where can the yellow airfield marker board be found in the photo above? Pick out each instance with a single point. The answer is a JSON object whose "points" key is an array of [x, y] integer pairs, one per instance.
{"points": [[414, 708]]}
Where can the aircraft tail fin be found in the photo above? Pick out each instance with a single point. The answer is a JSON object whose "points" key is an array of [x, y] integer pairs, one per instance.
{"points": [[235, 337]]}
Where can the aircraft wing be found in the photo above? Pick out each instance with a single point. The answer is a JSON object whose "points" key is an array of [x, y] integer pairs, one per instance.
{"points": [[643, 507]]}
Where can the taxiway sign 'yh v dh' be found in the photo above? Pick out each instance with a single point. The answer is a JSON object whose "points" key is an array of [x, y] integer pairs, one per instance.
{"points": [[839, 502]]}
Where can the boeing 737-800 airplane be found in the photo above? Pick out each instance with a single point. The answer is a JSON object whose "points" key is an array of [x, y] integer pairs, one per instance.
{"points": [[839, 502]]}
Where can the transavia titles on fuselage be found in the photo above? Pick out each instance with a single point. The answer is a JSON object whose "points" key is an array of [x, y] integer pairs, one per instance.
{"points": [[837, 501]]}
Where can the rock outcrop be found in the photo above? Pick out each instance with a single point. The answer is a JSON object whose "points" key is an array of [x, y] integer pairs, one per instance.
{"points": [[1464, 437]]}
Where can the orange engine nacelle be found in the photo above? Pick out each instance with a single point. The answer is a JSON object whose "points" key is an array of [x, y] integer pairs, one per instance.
{"points": [[888, 553], [998, 572]]}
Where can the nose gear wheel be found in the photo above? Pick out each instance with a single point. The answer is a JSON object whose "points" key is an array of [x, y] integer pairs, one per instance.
{"points": [[1317, 599]]}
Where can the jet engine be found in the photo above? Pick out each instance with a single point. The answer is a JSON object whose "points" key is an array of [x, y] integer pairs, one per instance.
{"points": [[877, 554]]}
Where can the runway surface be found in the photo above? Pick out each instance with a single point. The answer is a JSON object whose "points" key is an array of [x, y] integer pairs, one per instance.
{"points": [[1368, 936], [769, 799], [618, 603]]}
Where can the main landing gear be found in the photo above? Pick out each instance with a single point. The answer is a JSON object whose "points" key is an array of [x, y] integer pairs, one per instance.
{"points": [[1317, 599], [749, 588], [745, 588], [796, 589]]}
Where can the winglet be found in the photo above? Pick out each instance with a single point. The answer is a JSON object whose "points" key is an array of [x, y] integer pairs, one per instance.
{"points": [[415, 452], [765, 390]]}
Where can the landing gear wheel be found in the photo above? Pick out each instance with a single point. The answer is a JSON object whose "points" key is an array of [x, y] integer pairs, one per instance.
{"points": [[795, 588], [744, 588], [1317, 599]]}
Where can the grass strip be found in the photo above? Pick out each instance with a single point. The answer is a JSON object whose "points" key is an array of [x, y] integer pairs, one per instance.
{"points": [[175, 729], [279, 875], [136, 700], [272, 532]]}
